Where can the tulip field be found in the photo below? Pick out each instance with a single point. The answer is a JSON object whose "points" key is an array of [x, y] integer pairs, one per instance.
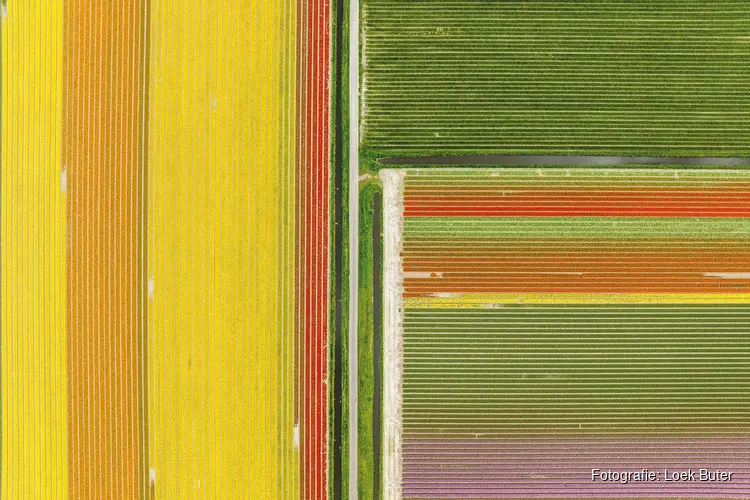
{"points": [[553, 321], [374, 249], [165, 257], [566, 220]]}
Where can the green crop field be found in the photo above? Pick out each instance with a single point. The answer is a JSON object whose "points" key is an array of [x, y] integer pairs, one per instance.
{"points": [[588, 369], [642, 77]]}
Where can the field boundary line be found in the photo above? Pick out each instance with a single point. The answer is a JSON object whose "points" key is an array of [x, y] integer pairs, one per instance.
{"points": [[393, 323], [593, 160]]}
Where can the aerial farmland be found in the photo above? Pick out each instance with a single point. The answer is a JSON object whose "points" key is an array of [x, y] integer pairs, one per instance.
{"points": [[564, 224], [542, 323], [375, 250], [165, 264]]}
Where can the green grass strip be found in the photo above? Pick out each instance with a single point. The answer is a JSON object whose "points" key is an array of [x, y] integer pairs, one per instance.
{"points": [[434, 228]]}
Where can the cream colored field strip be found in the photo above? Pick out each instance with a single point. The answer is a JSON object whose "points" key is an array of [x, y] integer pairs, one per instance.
{"points": [[393, 325]]}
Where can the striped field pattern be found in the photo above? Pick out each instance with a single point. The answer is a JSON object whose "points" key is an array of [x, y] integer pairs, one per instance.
{"points": [[33, 259], [312, 213], [165, 257], [103, 163], [221, 198], [553, 321], [640, 77]]}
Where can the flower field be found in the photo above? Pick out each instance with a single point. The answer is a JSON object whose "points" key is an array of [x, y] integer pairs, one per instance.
{"points": [[553, 321], [165, 257]]}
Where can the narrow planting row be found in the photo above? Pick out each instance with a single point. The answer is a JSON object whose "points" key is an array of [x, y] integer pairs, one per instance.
{"points": [[313, 110]]}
